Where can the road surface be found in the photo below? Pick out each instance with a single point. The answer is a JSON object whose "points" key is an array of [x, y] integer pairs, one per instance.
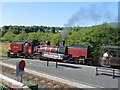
{"points": [[78, 73]]}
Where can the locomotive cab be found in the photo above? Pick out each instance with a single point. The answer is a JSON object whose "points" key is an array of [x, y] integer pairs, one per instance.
{"points": [[29, 46]]}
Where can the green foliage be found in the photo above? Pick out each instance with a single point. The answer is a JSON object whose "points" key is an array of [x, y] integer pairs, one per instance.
{"points": [[32, 36], [56, 39], [9, 36], [22, 36], [53, 29]]}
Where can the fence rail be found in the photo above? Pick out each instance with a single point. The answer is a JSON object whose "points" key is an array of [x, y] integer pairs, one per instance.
{"points": [[107, 71]]}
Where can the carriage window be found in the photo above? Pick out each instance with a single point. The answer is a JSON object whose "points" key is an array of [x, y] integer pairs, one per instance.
{"points": [[118, 53], [115, 53]]}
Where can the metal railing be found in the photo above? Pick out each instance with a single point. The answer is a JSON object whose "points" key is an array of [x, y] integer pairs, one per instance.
{"points": [[107, 71]]}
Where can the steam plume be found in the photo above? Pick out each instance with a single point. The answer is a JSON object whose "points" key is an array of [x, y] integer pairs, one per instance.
{"points": [[86, 15]]}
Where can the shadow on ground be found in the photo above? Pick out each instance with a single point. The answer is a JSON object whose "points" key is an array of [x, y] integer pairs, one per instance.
{"points": [[69, 66]]}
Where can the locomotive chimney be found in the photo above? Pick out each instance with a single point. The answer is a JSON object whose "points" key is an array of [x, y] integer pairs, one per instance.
{"points": [[63, 42]]}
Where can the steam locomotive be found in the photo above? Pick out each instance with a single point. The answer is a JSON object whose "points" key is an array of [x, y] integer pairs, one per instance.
{"points": [[32, 48]]}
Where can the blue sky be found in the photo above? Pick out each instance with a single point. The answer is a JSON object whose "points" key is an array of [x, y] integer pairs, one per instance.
{"points": [[58, 13]]}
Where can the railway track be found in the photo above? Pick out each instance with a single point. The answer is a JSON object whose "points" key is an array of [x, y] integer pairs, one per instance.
{"points": [[32, 80]]}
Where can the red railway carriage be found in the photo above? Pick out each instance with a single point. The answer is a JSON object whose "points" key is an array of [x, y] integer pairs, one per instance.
{"points": [[77, 51], [79, 54]]}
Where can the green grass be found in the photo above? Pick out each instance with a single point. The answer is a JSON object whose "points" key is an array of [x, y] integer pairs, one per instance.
{"points": [[4, 48]]}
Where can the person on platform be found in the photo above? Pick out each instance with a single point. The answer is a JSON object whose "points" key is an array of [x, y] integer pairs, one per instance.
{"points": [[105, 57]]}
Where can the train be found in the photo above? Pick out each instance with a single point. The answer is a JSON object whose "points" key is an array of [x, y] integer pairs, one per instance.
{"points": [[33, 48]]}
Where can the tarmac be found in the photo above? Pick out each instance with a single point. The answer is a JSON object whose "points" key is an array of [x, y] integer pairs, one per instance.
{"points": [[54, 78]]}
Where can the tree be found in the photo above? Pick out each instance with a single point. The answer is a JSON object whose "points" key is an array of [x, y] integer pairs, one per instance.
{"points": [[53, 29], [32, 36], [22, 36], [9, 36], [41, 28], [56, 39]]}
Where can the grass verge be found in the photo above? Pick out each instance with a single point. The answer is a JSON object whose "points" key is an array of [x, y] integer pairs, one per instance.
{"points": [[3, 48]]}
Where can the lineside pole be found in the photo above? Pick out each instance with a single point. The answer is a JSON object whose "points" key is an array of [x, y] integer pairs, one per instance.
{"points": [[56, 62], [113, 74], [47, 62], [96, 71]]}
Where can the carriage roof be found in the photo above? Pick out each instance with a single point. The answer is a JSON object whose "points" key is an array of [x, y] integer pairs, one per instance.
{"points": [[111, 47]]}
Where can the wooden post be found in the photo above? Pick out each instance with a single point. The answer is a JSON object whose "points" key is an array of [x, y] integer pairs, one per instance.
{"points": [[56, 62], [113, 74], [96, 71], [47, 62]]}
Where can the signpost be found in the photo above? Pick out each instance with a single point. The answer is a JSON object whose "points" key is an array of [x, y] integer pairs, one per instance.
{"points": [[20, 69]]}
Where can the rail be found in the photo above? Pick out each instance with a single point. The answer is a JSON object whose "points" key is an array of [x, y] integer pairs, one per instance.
{"points": [[107, 71]]}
